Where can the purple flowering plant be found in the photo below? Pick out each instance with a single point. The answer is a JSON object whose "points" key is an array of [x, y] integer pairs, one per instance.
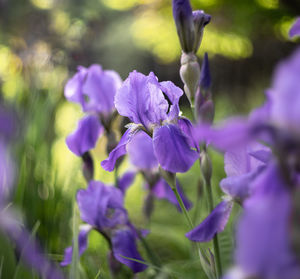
{"points": [[261, 159]]}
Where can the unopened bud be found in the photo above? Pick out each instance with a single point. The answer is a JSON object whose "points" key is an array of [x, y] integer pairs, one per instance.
{"points": [[183, 16], [200, 19], [190, 75], [87, 166], [206, 166]]}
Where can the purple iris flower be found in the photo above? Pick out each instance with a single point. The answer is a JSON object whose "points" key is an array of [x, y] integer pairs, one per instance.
{"points": [[102, 208], [153, 107], [263, 238], [141, 155], [295, 30], [93, 88]]}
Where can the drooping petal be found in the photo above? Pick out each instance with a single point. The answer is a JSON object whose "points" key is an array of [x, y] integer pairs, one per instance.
{"points": [[172, 149], [101, 206], [188, 129], [295, 30], [141, 153], [162, 190], [263, 234], [100, 88], [123, 245], [85, 136], [120, 150], [214, 223], [73, 88], [141, 100], [126, 180], [82, 245]]}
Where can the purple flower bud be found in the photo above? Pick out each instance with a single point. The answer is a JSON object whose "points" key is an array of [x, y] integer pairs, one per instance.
{"points": [[200, 19], [183, 16]]}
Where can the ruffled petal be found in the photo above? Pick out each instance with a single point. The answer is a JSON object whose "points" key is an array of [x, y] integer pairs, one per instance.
{"points": [[162, 190], [73, 88], [124, 245], [214, 223], [141, 153], [120, 150], [85, 136], [172, 149], [141, 100], [82, 245], [100, 88]]}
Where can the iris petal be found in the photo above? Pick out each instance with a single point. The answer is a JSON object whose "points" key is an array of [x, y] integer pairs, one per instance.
{"points": [[172, 149], [214, 223], [85, 136]]}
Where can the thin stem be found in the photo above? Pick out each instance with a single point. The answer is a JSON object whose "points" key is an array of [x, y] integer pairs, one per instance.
{"points": [[215, 239], [201, 252]]}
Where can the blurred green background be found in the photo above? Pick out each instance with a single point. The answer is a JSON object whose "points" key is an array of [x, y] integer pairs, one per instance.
{"points": [[41, 44]]}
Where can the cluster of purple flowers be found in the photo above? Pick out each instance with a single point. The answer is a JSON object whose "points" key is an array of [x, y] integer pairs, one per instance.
{"points": [[261, 158]]}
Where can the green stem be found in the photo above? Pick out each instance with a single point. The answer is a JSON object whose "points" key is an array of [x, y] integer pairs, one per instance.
{"points": [[215, 239], [204, 258]]}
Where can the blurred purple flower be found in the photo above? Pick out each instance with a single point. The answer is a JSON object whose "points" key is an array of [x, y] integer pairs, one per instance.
{"points": [[154, 108], [26, 246], [242, 165], [295, 30], [263, 244], [6, 174], [85, 136], [94, 89], [285, 94], [102, 208]]}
